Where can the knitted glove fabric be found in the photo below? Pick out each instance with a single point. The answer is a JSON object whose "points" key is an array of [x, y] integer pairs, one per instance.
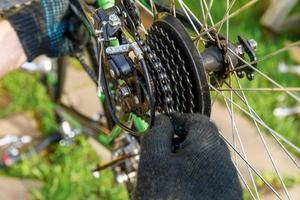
{"points": [[201, 168], [45, 27]]}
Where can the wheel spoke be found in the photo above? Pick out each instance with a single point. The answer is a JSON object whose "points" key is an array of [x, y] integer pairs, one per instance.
{"points": [[260, 89], [252, 168], [262, 138], [266, 76], [230, 111], [186, 11], [208, 13], [237, 12], [271, 55], [260, 121], [244, 181], [226, 15], [274, 134]]}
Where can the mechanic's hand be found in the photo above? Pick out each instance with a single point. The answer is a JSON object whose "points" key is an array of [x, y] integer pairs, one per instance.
{"points": [[200, 169], [45, 27]]}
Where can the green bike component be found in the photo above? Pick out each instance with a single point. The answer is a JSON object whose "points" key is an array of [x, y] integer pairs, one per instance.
{"points": [[105, 4], [52, 78], [140, 124]]}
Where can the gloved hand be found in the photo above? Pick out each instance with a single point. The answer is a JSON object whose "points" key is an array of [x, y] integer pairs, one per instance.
{"points": [[45, 27], [200, 169]]}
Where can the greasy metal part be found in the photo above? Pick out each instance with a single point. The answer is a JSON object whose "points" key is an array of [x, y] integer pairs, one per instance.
{"points": [[117, 49], [122, 67], [89, 126], [168, 37], [217, 60], [126, 170], [163, 95], [114, 20], [137, 50], [115, 161], [213, 60]]}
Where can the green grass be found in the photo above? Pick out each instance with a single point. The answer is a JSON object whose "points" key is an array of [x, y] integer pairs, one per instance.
{"points": [[25, 93], [66, 174]]}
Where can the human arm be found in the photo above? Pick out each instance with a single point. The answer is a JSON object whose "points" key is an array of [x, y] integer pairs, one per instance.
{"points": [[12, 54], [200, 169], [42, 27]]}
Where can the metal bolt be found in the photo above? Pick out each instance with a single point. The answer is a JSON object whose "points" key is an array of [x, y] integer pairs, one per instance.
{"points": [[112, 73], [109, 49], [113, 17], [125, 91], [253, 44], [121, 178], [239, 50], [114, 20]]}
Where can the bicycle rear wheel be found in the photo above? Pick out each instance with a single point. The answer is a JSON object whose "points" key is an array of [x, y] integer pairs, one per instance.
{"points": [[246, 91]]}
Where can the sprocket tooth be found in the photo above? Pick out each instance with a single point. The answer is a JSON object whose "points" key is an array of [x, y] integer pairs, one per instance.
{"points": [[171, 73], [180, 62], [175, 67], [185, 73], [166, 106], [187, 82]]}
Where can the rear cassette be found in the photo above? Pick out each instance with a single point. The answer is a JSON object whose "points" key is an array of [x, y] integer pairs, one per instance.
{"points": [[182, 64]]}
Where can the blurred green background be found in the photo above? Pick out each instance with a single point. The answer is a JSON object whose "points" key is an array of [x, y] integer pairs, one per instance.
{"points": [[65, 173]]}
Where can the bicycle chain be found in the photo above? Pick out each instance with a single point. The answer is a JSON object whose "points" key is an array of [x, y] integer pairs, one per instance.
{"points": [[163, 97], [175, 66], [155, 44]]}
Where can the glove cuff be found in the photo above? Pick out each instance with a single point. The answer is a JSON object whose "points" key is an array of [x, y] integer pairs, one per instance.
{"points": [[30, 27]]}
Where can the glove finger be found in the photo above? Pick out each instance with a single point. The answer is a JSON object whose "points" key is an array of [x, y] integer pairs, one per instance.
{"points": [[189, 121], [202, 137], [159, 138], [198, 129]]}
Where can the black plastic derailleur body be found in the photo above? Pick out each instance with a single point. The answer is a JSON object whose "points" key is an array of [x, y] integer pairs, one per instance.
{"points": [[110, 23], [112, 26]]}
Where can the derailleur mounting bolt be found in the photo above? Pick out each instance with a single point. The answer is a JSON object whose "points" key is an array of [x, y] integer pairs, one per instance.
{"points": [[114, 20], [239, 50], [112, 73], [253, 44], [125, 92]]}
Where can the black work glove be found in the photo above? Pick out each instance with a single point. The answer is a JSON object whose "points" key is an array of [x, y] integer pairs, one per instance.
{"points": [[200, 169], [45, 27]]}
